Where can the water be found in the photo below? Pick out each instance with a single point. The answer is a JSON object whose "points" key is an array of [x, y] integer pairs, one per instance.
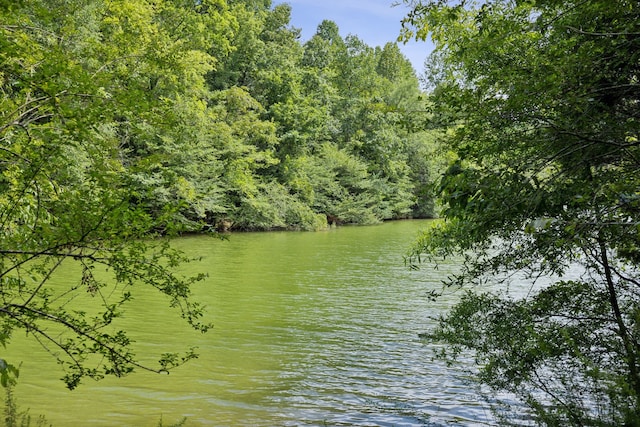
{"points": [[311, 329]]}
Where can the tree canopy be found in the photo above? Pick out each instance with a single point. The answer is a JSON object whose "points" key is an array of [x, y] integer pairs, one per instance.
{"points": [[540, 103]]}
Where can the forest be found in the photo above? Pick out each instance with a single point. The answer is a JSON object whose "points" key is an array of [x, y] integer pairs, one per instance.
{"points": [[125, 123], [216, 109]]}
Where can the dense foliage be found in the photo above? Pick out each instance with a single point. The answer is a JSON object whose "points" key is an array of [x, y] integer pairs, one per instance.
{"points": [[124, 122], [541, 99], [318, 132]]}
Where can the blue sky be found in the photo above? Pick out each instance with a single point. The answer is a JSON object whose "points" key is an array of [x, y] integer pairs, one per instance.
{"points": [[376, 22]]}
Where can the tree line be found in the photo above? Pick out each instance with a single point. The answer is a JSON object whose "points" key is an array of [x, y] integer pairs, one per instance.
{"points": [[218, 110]]}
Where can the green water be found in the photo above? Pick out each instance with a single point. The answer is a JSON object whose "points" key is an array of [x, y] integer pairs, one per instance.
{"points": [[310, 329]]}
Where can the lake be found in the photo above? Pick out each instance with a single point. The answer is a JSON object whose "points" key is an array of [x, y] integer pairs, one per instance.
{"points": [[310, 329]]}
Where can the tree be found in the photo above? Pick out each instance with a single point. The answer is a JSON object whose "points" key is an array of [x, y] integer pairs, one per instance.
{"points": [[393, 65], [540, 102], [90, 93], [322, 50]]}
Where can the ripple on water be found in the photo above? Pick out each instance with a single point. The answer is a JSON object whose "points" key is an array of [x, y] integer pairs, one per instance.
{"points": [[310, 329]]}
